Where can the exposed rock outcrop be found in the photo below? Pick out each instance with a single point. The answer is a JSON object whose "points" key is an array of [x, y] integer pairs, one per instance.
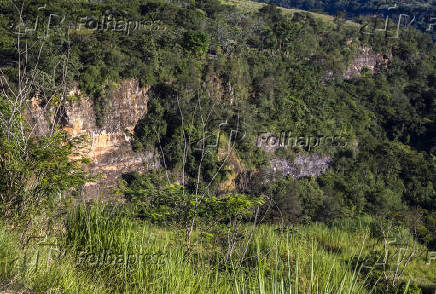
{"points": [[109, 146], [304, 165], [365, 59]]}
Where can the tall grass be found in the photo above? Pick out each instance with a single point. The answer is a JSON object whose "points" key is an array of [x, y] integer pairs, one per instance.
{"points": [[41, 269], [276, 262], [306, 259]]}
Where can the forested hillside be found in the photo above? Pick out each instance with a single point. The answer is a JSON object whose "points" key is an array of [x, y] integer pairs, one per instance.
{"points": [[418, 13], [234, 96]]}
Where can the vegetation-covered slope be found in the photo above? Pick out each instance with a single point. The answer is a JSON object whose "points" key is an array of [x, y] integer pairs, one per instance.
{"points": [[419, 13]]}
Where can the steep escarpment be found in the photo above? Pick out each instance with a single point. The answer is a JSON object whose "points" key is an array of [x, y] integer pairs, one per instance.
{"points": [[108, 145]]}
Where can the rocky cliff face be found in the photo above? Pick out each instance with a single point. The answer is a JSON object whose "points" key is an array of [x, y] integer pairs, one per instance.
{"points": [[365, 59], [109, 146], [304, 165]]}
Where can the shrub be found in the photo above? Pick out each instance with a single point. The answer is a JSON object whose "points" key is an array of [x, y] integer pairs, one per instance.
{"points": [[195, 42]]}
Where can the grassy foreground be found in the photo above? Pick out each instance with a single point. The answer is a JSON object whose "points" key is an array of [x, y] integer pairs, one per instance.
{"points": [[97, 249]]}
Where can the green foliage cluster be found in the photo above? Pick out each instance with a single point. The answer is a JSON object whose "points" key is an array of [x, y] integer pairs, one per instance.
{"points": [[164, 203], [292, 201], [195, 42]]}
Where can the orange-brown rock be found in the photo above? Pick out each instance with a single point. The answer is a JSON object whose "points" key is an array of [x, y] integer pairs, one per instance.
{"points": [[108, 146]]}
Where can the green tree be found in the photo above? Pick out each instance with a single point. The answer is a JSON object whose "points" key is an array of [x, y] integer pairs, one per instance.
{"points": [[196, 42], [33, 170]]}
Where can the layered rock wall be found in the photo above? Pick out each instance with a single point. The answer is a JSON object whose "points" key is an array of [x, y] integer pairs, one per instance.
{"points": [[109, 145]]}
